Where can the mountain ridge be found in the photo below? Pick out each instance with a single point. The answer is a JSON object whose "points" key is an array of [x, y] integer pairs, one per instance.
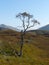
{"points": [[5, 27], [46, 27]]}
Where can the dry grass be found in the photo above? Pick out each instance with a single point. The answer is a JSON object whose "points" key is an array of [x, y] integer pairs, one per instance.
{"points": [[35, 49]]}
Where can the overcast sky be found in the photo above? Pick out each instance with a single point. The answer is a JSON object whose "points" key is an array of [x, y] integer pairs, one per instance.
{"points": [[9, 9]]}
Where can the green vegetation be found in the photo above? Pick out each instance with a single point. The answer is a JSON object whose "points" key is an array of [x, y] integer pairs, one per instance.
{"points": [[35, 49]]}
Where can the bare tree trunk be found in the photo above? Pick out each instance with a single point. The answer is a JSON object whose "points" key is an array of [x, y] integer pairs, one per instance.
{"points": [[21, 43]]}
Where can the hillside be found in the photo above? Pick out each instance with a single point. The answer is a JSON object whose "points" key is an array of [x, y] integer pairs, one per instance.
{"points": [[46, 27], [5, 27], [35, 49]]}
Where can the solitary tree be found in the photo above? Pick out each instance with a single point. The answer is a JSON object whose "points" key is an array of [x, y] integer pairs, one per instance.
{"points": [[27, 22]]}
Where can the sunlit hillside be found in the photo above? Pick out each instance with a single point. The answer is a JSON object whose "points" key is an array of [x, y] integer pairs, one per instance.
{"points": [[35, 48]]}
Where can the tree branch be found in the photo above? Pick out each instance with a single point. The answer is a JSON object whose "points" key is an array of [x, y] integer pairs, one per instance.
{"points": [[28, 28]]}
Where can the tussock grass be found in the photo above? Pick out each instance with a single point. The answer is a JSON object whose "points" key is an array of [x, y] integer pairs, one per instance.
{"points": [[35, 49]]}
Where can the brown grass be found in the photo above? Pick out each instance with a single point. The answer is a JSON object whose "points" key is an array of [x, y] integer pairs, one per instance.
{"points": [[35, 49]]}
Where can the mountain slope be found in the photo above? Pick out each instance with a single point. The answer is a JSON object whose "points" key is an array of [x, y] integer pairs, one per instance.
{"points": [[46, 28], [35, 49], [5, 27]]}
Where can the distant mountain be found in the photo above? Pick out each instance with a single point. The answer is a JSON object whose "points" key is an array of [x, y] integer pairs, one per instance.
{"points": [[5, 27], [46, 28], [43, 30]]}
